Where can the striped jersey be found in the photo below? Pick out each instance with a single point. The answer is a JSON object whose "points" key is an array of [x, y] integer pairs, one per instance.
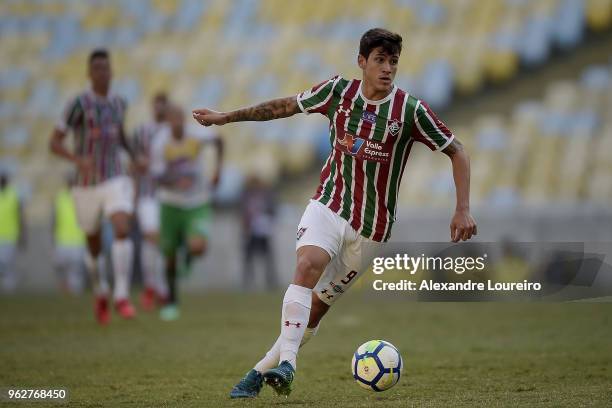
{"points": [[143, 138], [370, 142], [96, 122]]}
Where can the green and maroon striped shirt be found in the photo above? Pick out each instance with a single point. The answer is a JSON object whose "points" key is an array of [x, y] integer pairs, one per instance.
{"points": [[370, 141], [96, 122], [142, 140]]}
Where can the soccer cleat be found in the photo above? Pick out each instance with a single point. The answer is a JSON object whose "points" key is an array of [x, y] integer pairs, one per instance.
{"points": [[280, 378], [169, 313], [147, 299], [249, 386], [101, 310], [125, 309]]}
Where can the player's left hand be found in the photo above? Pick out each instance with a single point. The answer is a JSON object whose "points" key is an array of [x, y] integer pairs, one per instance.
{"points": [[462, 226], [141, 164], [207, 117]]}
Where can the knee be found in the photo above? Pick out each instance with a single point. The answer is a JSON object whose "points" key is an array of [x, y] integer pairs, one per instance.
{"points": [[305, 267], [197, 246], [121, 227]]}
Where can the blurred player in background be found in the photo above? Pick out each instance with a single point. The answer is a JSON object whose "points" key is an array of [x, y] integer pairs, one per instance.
{"points": [[184, 194], [147, 208], [68, 240], [12, 231], [373, 125], [102, 189]]}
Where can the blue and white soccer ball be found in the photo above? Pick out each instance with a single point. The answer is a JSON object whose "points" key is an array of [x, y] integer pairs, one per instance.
{"points": [[377, 365]]}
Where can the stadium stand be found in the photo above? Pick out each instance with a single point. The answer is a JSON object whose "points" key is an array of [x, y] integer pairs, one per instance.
{"points": [[547, 152], [196, 49]]}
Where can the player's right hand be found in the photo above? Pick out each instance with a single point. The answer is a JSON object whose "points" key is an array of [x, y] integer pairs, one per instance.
{"points": [[207, 117]]}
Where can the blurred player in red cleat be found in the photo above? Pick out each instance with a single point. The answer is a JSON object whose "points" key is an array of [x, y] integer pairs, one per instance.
{"points": [[102, 189], [102, 311], [147, 208]]}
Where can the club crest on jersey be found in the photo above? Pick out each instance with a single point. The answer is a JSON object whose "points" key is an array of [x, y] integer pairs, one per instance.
{"points": [[350, 142], [394, 126], [301, 232], [368, 116], [346, 112]]}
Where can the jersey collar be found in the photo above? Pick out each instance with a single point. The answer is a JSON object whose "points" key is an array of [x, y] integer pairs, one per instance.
{"points": [[379, 101]]}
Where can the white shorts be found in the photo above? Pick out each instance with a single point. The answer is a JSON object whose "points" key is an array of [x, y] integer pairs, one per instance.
{"points": [[350, 252], [104, 199], [148, 215]]}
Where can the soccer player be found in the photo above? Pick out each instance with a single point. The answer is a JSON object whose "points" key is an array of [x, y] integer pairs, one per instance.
{"points": [[373, 125], [96, 117], [147, 208], [184, 194]]}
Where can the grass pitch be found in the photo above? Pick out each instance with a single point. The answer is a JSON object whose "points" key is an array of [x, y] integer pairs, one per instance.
{"points": [[455, 354]]}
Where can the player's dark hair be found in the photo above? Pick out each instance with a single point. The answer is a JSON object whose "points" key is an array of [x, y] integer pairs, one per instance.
{"points": [[161, 96], [379, 37], [98, 53]]}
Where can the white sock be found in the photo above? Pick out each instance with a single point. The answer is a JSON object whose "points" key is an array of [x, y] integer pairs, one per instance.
{"points": [[121, 251], [96, 268], [74, 277], [270, 360], [161, 286], [296, 311], [272, 357], [151, 265]]}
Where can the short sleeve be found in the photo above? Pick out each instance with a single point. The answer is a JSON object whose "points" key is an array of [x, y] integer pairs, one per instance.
{"points": [[317, 98], [429, 129], [72, 115]]}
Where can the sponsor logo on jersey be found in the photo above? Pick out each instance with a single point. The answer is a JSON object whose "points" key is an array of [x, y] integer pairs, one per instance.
{"points": [[351, 143], [365, 149], [368, 117], [394, 126], [346, 112], [301, 232]]}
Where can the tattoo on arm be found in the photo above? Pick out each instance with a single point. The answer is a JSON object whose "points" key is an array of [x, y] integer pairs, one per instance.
{"points": [[454, 147], [274, 109]]}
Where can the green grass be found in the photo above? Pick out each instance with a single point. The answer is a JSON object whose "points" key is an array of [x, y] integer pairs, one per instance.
{"points": [[456, 354]]}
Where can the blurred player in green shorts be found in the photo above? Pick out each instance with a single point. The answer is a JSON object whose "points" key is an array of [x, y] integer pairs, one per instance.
{"points": [[184, 194]]}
